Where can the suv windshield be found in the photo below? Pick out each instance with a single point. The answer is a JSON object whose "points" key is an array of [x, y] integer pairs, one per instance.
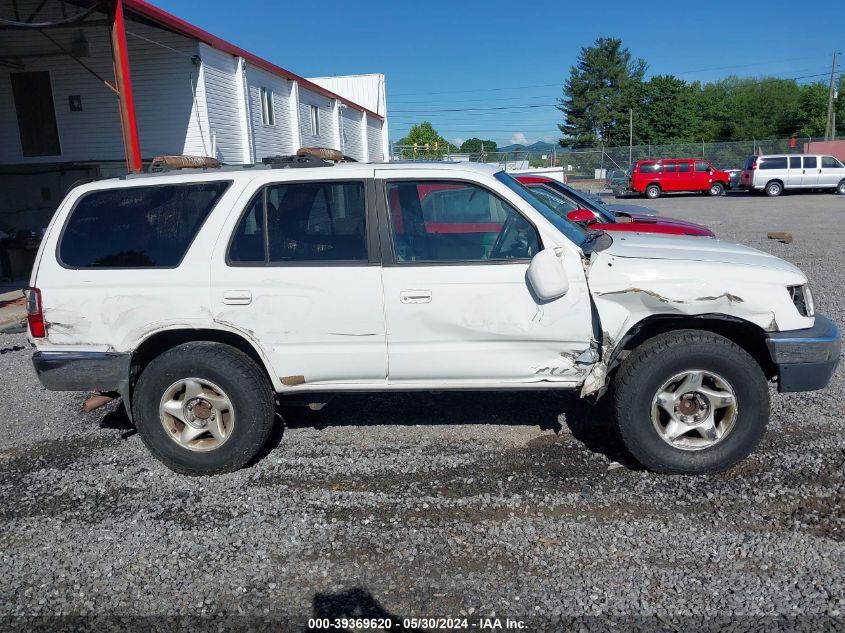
{"points": [[571, 230]]}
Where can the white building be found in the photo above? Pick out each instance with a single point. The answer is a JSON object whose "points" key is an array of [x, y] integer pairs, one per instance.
{"points": [[190, 93]]}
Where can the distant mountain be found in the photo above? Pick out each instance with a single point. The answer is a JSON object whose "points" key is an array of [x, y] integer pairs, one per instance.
{"points": [[539, 146]]}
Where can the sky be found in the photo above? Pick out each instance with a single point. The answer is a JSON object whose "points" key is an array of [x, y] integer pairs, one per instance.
{"points": [[495, 69]]}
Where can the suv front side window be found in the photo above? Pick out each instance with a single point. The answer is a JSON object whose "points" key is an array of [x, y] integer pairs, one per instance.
{"points": [[702, 166], [829, 162], [449, 221]]}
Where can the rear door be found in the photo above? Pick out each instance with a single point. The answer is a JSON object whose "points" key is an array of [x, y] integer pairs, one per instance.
{"points": [[795, 175], [297, 269], [459, 310], [809, 170], [669, 179], [685, 175]]}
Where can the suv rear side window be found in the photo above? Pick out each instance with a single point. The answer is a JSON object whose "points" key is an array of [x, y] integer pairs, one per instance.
{"points": [[778, 162], [441, 221], [137, 227], [316, 221]]}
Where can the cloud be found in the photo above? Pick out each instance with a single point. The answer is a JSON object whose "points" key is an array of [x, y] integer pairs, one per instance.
{"points": [[519, 139], [458, 141]]}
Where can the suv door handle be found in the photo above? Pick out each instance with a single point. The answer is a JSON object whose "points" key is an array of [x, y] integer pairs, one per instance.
{"points": [[415, 296], [237, 297]]}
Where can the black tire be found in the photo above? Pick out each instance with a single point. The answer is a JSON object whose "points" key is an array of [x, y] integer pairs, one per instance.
{"points": [[716, 189], [652, 191], [840, 188], [657, 360], [774, 188], [242, 380]]}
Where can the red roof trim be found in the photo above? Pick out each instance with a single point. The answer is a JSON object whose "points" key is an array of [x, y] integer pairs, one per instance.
{"points": [[153, 13]]}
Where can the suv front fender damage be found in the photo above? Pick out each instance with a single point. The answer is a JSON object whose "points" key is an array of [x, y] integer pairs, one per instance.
{"points": [[627, 291]]}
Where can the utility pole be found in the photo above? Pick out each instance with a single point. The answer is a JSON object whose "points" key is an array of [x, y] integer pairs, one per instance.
{"points": [[830, 126], [630, 135]]}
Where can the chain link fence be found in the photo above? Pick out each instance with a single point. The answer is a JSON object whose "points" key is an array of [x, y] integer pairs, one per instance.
{"points": [[595, 162]]}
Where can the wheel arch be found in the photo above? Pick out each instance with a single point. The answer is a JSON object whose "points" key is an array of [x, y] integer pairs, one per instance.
{"points": [[745, 334], [156, 343]]}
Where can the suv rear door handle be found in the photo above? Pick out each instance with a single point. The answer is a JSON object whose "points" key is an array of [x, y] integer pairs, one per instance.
{"points": [[237, 297], [415, 296]]}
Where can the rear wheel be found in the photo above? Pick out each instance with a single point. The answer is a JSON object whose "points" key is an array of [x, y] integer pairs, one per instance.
{"points": [[716, 189], [690, 402], [840, 188], [774, 188], [652, 192], [203, 408]]}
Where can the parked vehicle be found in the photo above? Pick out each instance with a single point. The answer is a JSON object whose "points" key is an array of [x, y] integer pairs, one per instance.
{"points": [[598, 218], [617, 180], [587, 200], [652, 178], [200, 296], [735, 175], [774, 173]]}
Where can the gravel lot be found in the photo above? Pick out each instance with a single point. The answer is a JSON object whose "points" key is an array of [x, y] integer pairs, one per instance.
{"points": [[437, 505]]}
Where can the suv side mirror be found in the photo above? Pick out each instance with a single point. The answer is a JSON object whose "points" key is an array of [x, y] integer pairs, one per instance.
{"points": [[547, 276], [582, 216]]}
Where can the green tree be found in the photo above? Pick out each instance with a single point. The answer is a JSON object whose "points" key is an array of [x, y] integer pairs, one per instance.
{"points": [[474, 145], [600, 89], [811, 113], [428, 141], [666, 111]]}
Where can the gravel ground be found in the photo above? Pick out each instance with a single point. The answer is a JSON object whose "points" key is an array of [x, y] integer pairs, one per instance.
{"points": [[436, 505]]}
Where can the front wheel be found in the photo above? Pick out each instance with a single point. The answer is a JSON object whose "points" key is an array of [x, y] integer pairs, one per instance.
{"points": [[690, 402], [716, 189], [203, 408], [840, 188]]}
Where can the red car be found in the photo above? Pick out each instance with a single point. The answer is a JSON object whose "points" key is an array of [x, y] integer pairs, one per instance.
{"points": [[653, 177], [578, 208]]}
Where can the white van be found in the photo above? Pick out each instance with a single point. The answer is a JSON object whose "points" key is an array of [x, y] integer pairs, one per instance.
{"points": [[201, 296], [776, 172]]}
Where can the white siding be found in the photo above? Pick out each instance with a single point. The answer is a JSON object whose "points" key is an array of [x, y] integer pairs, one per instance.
{"points": [[351, 133], [326, 138], [374, 140], [92, 134], [222, 94], [171, 115], [276, 139], [365, 90]]}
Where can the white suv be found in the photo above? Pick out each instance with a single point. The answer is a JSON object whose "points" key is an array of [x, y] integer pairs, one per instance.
{"points": [[201, 296], [773, 174]]}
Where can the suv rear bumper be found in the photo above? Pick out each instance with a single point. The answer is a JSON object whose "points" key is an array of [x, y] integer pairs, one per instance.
{"points": [[82, 371], [805, 359]]}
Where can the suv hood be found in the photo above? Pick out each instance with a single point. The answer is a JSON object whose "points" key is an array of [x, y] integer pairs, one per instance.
{"points": [[683, 248]]}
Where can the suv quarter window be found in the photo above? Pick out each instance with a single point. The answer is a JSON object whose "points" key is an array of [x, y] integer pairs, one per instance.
{"points": [[775, 162], [442, 221], [651, 168], [301, 223], [137, 227], [795, 162]]}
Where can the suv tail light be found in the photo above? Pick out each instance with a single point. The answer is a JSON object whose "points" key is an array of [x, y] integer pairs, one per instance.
{"points": [[35, 313]]}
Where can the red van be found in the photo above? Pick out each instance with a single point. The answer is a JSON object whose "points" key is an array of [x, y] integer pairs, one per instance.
{"points": [[656, 176]]}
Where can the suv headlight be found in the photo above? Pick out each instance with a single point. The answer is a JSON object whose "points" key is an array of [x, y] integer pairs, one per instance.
{"points": [[802, 297]]}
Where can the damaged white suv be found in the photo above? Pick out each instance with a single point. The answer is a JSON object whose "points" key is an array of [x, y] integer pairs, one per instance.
{"points": [[199, 296]]}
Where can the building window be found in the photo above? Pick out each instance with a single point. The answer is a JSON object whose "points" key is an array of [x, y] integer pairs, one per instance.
{"points": [[268, 117], [315, 121], [33, 96]]}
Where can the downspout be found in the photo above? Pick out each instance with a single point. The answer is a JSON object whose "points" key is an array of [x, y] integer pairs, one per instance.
{"points": [[126, 100]]}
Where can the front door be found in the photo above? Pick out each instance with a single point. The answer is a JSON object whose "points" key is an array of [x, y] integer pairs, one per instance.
{"points": [[301, 276], [459, 310], [831, 171]]}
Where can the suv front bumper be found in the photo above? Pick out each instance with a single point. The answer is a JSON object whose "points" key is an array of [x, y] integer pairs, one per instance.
{"points": [[805, 359]]}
